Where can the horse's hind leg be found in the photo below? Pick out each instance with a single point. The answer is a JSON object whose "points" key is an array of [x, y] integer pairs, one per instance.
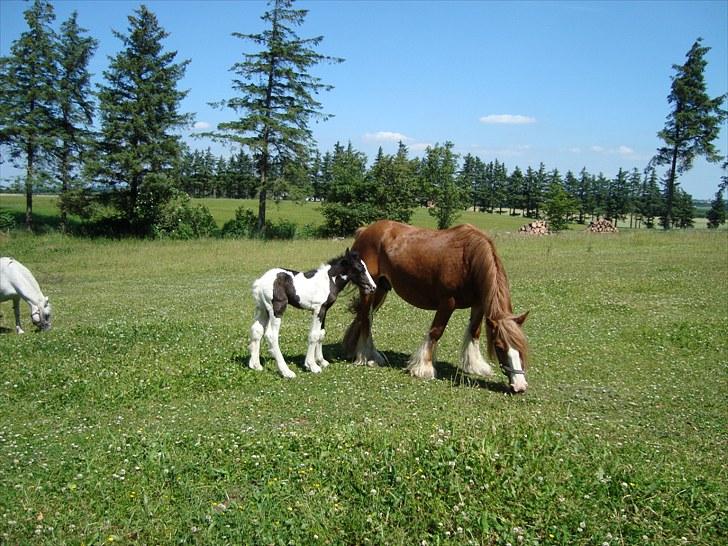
{"points": [[473, 361], [358, 342], [271, 335], [314, 339], [257, 330], [421, 362]]}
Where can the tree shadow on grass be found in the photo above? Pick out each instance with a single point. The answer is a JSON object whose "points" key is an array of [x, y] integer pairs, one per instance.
{"points": [[444, 371]]}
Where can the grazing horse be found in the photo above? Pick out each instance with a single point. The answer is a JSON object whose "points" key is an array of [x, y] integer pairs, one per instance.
{"points": [[314, 290], [440, 270], [16, 282]]}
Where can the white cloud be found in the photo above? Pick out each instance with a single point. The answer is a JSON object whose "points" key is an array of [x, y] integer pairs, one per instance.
{"points": [[625, 150], [201, 125], [386, 136], [619, 150], [507, 119]]}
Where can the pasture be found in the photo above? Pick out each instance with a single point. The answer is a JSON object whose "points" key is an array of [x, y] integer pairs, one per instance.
{"points": [[136, 419]]}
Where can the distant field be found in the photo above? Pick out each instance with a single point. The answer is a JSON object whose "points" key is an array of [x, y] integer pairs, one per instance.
{"points": [[136, 421], [302, 214]]}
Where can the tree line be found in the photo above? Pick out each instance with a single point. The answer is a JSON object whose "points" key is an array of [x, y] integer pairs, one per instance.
{"points": [[116, 157]]}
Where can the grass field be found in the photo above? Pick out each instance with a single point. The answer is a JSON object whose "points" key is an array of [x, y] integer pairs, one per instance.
{"points": [[136, 421]]}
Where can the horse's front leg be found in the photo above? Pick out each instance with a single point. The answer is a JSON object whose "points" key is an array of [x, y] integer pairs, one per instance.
{"points": [[320, 360], [315, 337], [473, 361], [358, 341], [16, 310], [421, 363]]}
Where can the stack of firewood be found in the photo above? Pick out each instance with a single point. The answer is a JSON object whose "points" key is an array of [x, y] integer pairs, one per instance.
{"points": [[537, 227], [602, 225]]}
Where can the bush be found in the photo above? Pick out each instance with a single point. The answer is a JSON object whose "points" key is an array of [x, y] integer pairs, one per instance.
{"points": [[244, 224], [7, 220], [342, 220], [180, 219]]}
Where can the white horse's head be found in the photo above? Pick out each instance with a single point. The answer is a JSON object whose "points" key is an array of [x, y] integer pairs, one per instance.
{"points": [[41, 316]]}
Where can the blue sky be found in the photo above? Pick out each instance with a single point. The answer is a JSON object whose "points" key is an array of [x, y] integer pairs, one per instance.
{"points": [[570, 84]]}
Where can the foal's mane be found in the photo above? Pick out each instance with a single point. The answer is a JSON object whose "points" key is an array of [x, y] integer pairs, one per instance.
{"points": [[488, 271]]}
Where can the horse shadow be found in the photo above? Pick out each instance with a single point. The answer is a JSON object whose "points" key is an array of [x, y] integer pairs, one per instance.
{"points": [[444, 371]]}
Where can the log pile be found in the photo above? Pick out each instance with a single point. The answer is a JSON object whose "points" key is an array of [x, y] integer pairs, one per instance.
{"points": [[602, 225], [537, 227]]}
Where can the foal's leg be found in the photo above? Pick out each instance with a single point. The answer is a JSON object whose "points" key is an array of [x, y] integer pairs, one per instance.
{"points": [[257, 330], [314, 338], [421, 362], [16, 310], [271, 335], [473, 361], [320, 360]]}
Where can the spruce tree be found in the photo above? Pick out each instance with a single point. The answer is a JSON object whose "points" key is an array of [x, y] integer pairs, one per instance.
{"points": [[139, 108], [276, 96], [716, 214], [75, 106], [29, 104], [438, 170], [693, 124]]}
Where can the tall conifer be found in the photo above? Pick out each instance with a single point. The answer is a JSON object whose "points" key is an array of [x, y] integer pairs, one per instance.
{"points": [[28, 105], [139, 109], [692, 126], [275, 96]]}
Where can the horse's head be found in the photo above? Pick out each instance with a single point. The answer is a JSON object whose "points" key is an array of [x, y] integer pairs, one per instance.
{"points": [[357, 272], [507, 340], [41, 315]]}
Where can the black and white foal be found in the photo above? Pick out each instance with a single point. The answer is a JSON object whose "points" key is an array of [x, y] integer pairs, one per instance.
{"points": [[314, 290]]}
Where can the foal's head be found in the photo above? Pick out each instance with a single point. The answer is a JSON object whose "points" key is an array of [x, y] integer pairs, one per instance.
{"points": [[355, 270], [41, 316], [507, 340]]}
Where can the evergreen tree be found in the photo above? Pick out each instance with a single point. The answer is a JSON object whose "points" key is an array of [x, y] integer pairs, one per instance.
{"points": [[514, 191], [350, 195], [617, 197], [276, 96], [585, 195], [438, 169], [650, 200], [684, 210], [693, 124], [29, 103], [139, 110], [558, 205], [75, 106], [716, 214]]}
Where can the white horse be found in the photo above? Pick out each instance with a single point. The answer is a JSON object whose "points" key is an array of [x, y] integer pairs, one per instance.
{"points": [[16, 282], [315, 291]]}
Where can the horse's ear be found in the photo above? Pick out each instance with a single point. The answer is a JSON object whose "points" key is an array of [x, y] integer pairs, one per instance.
{"points": [[521, 318]]}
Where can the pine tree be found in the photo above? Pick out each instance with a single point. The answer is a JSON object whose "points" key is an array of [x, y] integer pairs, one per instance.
{"points": [[139, 112], [650, 204], [692, 126], [75, 106], [438, 169], [29, 104], [558, 205], [276, 96], [716, 214]]}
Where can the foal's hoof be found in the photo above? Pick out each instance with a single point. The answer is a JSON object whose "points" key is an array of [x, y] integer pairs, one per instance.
{"points": [[255, 366], [288, 374], [313, 368]]}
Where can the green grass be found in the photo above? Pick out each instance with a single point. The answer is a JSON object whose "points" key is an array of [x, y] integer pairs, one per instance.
{"points": [[136, 420]]}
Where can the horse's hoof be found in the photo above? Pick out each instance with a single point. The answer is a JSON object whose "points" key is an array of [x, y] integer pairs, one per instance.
{"points": [[255, 366], [288, 374], [313, 368]]}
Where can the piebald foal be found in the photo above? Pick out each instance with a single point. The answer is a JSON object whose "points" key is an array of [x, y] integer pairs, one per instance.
{"points": [[315, 291]]}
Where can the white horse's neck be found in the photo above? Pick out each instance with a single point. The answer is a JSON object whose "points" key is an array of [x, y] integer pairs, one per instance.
{"points": [[18, 280]]}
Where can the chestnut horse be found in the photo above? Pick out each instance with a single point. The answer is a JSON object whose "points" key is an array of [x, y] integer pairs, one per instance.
{"points": [[440, 270]]}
